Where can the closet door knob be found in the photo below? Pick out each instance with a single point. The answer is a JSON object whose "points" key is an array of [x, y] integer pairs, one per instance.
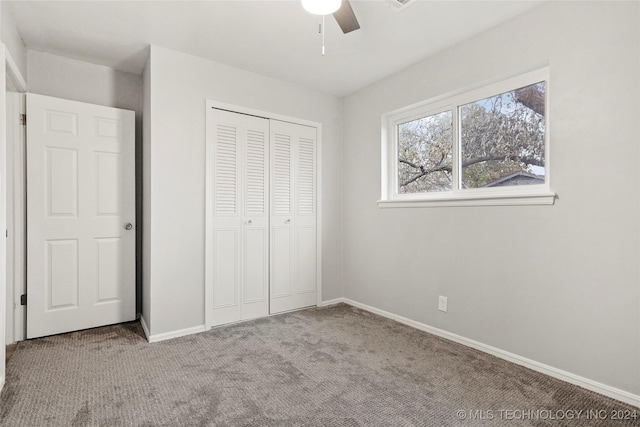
{"points": [[249, 222], [128, 226], [287, 221]]}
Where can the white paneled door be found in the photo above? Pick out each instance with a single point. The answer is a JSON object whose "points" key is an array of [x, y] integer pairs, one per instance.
{"points": [[238, 176], [261, 243], [80, 216], [293, 216]]}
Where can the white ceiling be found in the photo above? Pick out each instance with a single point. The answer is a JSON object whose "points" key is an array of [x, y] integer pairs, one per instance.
{"points": [[273, 38]]}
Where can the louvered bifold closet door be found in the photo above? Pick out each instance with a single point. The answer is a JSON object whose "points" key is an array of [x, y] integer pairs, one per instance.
{"points": [[240, 229], [293, 216]]}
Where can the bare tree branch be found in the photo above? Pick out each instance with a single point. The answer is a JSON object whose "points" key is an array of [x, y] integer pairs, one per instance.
{"points": [[447, 168], [413, 165], [443, 168], [526, 160]]}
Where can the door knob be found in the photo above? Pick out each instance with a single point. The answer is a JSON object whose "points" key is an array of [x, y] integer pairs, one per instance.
{"points": [[128, 226], [249, 222], [287, 221]]}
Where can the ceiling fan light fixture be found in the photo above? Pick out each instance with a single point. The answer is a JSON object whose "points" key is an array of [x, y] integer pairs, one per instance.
{"points": [[321, 7]]}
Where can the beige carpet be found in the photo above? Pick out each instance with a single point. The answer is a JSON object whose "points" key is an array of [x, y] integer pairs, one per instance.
{"points": [[337, 366]]}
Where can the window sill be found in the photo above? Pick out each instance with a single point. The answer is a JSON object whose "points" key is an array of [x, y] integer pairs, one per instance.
{"points": [[450, 200]]}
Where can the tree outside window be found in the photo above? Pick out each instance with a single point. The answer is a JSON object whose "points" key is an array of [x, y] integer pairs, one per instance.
{"points": [[501, 143]]}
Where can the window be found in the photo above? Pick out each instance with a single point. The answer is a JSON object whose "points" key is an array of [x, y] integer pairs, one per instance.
{"points": [[425, 148], [487, 146]]}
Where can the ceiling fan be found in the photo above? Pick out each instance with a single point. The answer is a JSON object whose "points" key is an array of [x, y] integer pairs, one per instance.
{"points": [[340, 9], [345, 17]]}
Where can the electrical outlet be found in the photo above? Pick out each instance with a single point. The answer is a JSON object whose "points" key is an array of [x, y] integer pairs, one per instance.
{"points": [[442, 303]]}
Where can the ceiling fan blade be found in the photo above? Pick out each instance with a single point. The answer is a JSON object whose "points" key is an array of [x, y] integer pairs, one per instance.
{"points": [[346, 18]]}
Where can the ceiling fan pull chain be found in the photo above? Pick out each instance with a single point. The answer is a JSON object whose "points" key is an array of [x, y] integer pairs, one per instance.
{"points": [[323, 35]]}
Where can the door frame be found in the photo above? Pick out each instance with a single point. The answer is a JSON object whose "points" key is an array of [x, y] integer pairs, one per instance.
{"points": [[15, 211], [208, 287], [9, 74]]}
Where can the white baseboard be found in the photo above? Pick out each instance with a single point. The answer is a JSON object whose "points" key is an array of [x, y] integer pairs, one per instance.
{"points": [[1, 383], [169, 335], [595, 386], [331, 302], [198, 329]]}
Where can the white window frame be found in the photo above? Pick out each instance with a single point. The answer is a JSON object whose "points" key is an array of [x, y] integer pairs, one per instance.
{"points": [[538, 194]]}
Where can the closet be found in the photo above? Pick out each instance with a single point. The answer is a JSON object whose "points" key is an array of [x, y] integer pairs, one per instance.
{"points": [[261, 243]]}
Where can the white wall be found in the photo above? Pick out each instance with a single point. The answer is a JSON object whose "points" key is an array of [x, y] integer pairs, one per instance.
{"points": [[12, 40], [54, 75], [560, 284], [179, 86]]}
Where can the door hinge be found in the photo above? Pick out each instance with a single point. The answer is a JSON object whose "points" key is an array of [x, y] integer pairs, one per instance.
{"points": [[23, 119], [23, 299]]}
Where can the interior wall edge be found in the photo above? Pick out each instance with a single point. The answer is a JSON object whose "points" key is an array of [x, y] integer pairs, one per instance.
{"points": [[12, 39], [145, 195], [14, 72], [595, 386], [145, 328], [3, 199]]}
